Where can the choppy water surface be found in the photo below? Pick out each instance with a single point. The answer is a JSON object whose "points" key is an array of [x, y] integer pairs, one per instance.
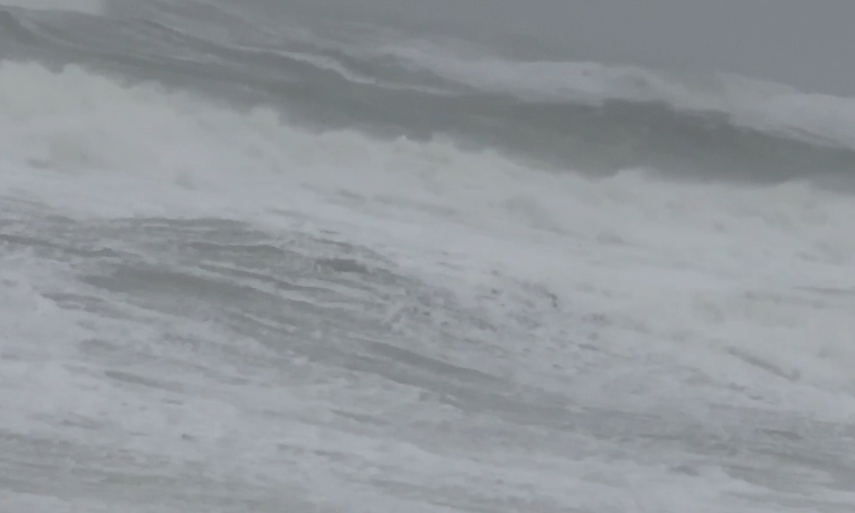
{"points": [[253, 258]]}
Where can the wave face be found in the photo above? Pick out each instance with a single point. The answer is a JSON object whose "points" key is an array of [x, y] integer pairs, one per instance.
{"points": [[589, 117], [260, 259]]}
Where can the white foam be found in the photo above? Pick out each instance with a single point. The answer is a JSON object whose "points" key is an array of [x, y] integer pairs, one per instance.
{"points": [[668, 296], [751, 288], [94, 7]]}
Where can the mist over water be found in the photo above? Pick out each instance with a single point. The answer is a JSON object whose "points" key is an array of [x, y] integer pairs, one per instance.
{"points": [[458, 256]]}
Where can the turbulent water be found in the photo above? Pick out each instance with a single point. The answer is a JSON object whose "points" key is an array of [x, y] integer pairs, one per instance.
{"points": [[258, 258]]}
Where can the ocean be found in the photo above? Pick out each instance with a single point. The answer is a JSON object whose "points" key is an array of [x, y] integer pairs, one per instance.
{"points": [[341, 257]]}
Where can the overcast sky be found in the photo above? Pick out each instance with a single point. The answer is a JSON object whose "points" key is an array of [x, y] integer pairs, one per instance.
{"points": [[808, 43]]}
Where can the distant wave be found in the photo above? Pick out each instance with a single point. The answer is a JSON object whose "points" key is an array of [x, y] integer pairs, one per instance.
{"points": [[93, 7], [586, 116], [755, 104]]}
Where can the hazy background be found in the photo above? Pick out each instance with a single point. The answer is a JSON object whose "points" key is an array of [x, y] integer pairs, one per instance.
{"points": [[807, 44]]}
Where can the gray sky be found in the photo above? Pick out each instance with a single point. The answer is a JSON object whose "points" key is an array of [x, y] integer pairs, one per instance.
{"points": [[807, 43]]}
